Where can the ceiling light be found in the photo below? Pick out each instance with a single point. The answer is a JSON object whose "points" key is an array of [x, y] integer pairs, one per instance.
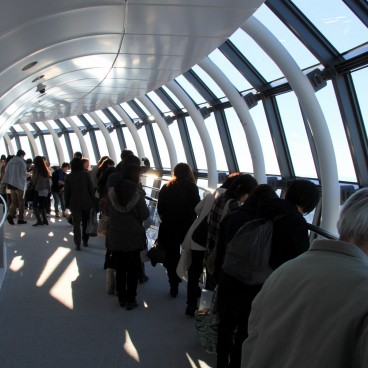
{"points": [[29, 66]]}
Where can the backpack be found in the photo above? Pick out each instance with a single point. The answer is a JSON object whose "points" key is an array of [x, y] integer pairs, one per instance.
{"points": [[248, 253]]}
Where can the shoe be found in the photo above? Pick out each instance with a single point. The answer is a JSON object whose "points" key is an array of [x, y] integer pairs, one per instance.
{"points": [[77, 247], [174, 291], [143, 279], [21, 222], [10, 219], [189, 311], [131, 305], [85, 244], [57, 215], [38, 224]]}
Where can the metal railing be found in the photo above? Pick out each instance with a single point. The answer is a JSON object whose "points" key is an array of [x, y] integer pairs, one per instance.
{"points": [[4, 210], [322, 232]]}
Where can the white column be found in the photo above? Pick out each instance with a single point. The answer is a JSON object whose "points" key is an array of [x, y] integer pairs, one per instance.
{"points": [[31, 139], [9, 143], [241, 108], [164, 129], [198, 120], [56, 139], [132, 128], [106, 134], [308, 101], [79, 134]]}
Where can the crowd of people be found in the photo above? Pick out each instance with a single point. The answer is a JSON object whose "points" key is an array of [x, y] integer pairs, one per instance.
{"points": [[286, 319]]}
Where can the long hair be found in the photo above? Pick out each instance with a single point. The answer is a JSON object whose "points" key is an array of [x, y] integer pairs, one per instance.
{"points": [[182, 173], [76, 164], [127, 185], [241, 185], [39, 166]]}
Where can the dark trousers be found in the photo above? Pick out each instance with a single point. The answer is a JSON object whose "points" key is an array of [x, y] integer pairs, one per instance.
{"points": [[80, 217], [233, 306], [127, 265], [17, 201], [194, 273], [172, 256], [39, 202]]}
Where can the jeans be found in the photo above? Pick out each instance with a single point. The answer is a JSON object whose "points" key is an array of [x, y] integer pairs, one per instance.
{"points": [[80, 217], [59, 199], [17, 201]]}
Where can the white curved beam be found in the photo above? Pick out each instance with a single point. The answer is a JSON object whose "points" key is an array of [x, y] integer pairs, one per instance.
{"points": [[106, 134], [164, 129], [246, 120], [31, 139], [56, 139], [132, 129], [79, 134], [202, 131], [308, 101], [9, 143]]}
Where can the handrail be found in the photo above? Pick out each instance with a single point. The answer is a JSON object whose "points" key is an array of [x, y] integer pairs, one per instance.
{"points": [[318, 230], [151, 199], [5, 211]]}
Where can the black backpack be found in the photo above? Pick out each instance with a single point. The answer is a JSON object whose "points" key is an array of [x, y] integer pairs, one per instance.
{"points": [[248, 253]]}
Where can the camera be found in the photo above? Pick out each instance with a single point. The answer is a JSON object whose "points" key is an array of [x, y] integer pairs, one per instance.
{"points": [[42, 91]]}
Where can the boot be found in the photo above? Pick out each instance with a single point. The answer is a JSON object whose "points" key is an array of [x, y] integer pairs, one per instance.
{"points": [[38, 217], [44, 217]]}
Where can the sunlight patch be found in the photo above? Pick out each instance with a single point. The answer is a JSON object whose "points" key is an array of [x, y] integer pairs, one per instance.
{"points": [[22, 234], [52, 263], [51, 234], [130, 348], [16, 264], [62, 290], [65, 239], [203, 364], [145, 305], [192, 364]]}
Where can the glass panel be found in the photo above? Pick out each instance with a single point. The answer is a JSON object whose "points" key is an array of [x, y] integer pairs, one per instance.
{"points": [[296, 136], [216, 90], [260, 121], [18, 128], [75, 142], [65, 123], [41, 126], [235, 77], [103, 117], [3, 150], [256, 55], [115, 142], [336, 22], [216, 143], [173, 97], [116, 115], [360, 79], [129, 111], [54, 125], [162, 147], [197, 145], [130, 141], [26, 147], [175, 133], [89, 119], [92, 158], [327, 100], [239, 141], [102, 145], [147, 149], [297, 50], [30, 127], [77, 121], [158, 102], [142, 107], [38, 144], [51, 150], [190, 90]]}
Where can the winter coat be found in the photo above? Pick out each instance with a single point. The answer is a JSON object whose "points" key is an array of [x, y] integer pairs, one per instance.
{"points": [[16, 173], [312, 312], [176, 204], [40, 182], [78, 191], [290, 233], [126, 231]]}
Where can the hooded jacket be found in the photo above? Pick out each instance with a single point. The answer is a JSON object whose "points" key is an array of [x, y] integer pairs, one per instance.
{"points": [[126, 231]]}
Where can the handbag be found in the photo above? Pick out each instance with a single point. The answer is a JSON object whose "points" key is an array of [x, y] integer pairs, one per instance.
{"points": [[157, 253], [103, 225], [206, 322], [92, 223]]}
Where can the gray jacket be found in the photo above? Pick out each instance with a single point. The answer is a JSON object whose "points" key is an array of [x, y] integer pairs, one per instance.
{"points": [[16, 173], [40, 182], [312, 312], [126, 231]]}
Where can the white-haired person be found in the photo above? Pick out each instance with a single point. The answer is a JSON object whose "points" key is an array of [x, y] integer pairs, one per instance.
{"points": [[313, 310]]}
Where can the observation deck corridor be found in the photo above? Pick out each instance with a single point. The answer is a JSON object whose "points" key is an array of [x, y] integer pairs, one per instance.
{"points": [[55, 311]]}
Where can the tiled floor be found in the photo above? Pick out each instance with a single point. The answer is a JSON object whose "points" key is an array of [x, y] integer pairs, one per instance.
{"points": [[55, 311]]}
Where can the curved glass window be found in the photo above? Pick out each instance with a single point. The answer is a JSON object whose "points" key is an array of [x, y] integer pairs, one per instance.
{"points": [[129, 111], [53, 125], [260, 60], [146, 146], [64, 148], [269, 154], [91, 152], [190, 90], [197, 145], [327, 99], [75, 142], [3, 145], [211, 84], [336, 22], [173, 97], [114, 113], [239, 141], [175, 133], [139, 103], [77, 121], [102, 146], [38, 144], [51, 150], [162, 147], [303, 57], [360, 78], [130, 141], [103, 117], [115, 143], [26, 147], [158, 102], [296, 135], [18, 128], [235, 77]]}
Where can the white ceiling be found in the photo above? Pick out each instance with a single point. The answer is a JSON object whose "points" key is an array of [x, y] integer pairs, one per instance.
{"points": [[98, 53]]}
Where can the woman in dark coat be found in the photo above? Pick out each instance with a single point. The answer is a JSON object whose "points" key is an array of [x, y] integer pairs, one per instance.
{"points": [[176, 202], [79, 198], [127, 209]]}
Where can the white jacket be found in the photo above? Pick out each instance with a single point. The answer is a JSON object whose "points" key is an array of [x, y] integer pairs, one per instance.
{"points": [[312, 312]]}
